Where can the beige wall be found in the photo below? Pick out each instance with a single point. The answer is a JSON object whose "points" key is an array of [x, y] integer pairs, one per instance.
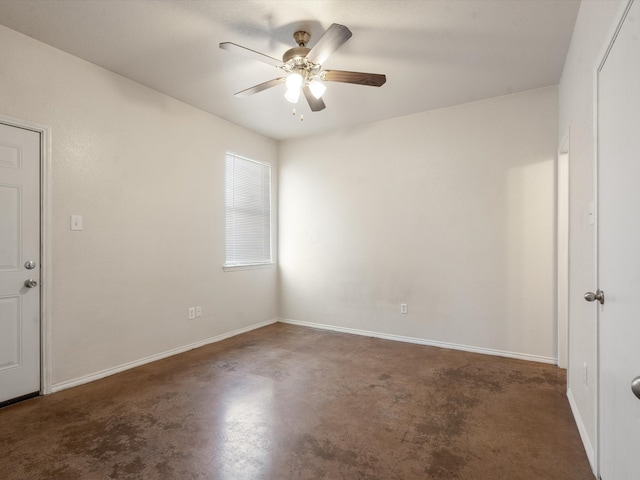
{"points": [[450, 211], [147, 174], [592, 33]]}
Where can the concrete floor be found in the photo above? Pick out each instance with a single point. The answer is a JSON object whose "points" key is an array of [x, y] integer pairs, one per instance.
{"points": [[287, 402]]}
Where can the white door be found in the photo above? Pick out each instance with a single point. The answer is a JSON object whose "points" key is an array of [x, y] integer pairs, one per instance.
{"points": [[19, 245], [619, 251]]}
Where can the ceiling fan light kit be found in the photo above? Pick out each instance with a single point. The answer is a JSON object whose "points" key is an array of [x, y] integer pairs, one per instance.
{"points": [[317, 88], [294, 83], [303, 67]]}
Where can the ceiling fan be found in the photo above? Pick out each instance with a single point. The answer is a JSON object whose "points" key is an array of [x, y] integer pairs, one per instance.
{"points": [[304, 67]]}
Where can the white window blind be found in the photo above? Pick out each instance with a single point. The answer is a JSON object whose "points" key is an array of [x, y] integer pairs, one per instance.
{"points": [[248, 212]]}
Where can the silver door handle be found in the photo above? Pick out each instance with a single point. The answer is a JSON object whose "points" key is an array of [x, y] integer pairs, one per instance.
{"points": [[635, 386], [31, 283], [599, 296]]}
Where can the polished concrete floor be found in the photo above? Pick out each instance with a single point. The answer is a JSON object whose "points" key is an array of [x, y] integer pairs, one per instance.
{"points": [[287, 402]]}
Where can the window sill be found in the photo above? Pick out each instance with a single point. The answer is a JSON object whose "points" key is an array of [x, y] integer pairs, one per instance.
{"points": [[251, 266]]}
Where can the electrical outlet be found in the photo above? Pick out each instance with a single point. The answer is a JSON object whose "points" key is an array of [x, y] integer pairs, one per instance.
{"points": [[192, 313], [198, 311], [403, 308]]}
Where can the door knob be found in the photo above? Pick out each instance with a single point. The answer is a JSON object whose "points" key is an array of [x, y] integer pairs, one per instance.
{"points": [[30, 265], [31, 283], [599, 296], [635, 386]]}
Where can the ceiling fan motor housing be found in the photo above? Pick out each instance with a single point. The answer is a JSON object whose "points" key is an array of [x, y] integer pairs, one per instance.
{"points": [[295, 56], [295, 59]]}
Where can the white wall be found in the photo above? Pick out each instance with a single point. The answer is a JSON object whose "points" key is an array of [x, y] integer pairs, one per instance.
{"points": [[450, 211], [147, 173], [592, 33]]}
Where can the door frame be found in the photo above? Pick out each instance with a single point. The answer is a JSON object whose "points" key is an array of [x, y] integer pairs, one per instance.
{"points": [[563, 216], [45, 244], [611, 38]]}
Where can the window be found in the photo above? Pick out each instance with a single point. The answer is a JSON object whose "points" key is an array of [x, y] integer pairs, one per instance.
{"points": [[248, 212]]}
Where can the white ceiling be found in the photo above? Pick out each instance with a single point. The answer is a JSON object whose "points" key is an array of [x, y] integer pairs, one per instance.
{"points": [[435, 53]]}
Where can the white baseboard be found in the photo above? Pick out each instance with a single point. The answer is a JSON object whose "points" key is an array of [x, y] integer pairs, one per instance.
{"points": [[583, 433], [152, 358], [422, 341], [398, 338]]}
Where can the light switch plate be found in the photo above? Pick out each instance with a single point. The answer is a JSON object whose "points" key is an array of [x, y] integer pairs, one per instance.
{"points": [[76, 222]]}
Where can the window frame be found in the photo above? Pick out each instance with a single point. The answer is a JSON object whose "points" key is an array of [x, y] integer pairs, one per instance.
{"points": [[227, 267]]}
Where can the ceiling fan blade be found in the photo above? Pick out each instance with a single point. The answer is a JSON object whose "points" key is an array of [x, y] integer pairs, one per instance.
{"points": [[330, 41], [246, 52], [316, 104], [370, 79], [260, 87]]}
